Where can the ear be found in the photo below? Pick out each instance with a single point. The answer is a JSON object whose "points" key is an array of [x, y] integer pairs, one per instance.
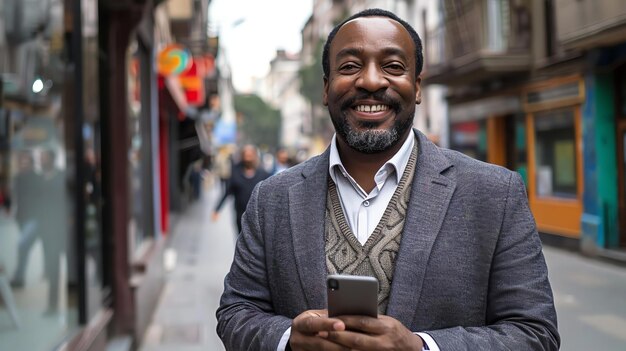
{"points": [[418, 90], [325, 94]]}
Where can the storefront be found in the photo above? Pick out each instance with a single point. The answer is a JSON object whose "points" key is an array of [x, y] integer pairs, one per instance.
{"points": [[555, 167], [131, 169], [52, 278], [604, 116], [491, 129]]}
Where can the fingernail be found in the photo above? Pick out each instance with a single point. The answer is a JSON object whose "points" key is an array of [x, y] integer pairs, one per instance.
{"points": [[323, 334]]}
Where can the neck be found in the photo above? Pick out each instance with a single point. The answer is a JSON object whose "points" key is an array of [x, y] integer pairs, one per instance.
{"points": [[363, 167]]}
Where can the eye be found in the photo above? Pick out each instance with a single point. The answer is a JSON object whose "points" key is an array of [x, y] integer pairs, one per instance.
{"points": [[348, 68], [395, 68]]}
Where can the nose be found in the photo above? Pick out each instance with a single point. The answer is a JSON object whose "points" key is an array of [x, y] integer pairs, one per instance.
{"points": [[372, 78]]}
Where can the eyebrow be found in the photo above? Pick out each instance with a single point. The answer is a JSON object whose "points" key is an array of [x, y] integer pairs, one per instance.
{"points": [[356, 51]]}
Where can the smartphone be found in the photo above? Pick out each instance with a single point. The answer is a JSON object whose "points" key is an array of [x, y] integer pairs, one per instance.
{"points": [[352, 295]]}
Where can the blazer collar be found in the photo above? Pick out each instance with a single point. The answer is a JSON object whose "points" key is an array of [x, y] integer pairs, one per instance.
{"points": [[430, 197]]}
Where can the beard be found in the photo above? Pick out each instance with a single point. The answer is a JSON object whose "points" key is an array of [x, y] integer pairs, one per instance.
{"points": [[366, 138]]}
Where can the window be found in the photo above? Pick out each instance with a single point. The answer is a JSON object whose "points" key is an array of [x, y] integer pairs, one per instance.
{"points": [[498, 25], [38, 280], [555, 154], [550, 23], [470, 138]]}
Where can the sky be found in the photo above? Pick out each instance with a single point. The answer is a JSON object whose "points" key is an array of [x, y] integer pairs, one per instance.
{"points": [[252, 30]]}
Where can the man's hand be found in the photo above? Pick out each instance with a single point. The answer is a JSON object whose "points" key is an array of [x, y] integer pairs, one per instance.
{"points": [[310, 329], [382, 333]]}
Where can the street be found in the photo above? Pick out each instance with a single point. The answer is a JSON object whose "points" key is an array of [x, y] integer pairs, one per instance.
{"points": [[590, 301], [590, 294]]}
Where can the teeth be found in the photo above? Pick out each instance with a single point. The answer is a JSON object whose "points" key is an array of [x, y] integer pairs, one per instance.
{"points": [[371, 108]]}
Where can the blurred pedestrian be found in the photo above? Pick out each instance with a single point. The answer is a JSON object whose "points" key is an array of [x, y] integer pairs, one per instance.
{"points": [[26, 199], [282, 161], [245, 176], [223, 166], [196, 177], [451, 240]]}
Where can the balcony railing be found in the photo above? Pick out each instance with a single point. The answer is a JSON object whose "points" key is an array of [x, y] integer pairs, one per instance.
{"points": [[481, 34]]}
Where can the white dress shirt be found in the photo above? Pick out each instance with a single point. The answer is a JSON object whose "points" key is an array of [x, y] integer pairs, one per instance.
{"points": [[364, 210]]}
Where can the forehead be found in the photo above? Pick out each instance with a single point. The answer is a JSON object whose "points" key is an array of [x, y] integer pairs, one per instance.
{"points": [[378, 32]]}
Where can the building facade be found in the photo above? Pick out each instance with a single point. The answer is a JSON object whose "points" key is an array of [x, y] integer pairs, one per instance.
{"points": [[597, 29], [53, 275], [82, 181], [534, 86]]}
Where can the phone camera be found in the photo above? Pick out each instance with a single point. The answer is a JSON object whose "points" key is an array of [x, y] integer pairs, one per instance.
{"points": [[333, 284]]}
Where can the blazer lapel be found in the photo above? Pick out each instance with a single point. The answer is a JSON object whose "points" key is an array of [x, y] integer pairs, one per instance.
{"points": [[430, 196], [307, 206]]}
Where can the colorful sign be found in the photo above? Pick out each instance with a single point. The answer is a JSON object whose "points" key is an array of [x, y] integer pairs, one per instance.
{"points": [[173, 60], [192, 83]]}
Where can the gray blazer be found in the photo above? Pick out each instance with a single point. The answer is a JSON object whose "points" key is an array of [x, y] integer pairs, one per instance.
{"points": [[470, 271]]}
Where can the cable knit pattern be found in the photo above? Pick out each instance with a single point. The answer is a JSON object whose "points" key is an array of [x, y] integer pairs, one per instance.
{"points": [[376, 258]]}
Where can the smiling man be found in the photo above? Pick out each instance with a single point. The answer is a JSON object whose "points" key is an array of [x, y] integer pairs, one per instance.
{"points": [[450, 239]]}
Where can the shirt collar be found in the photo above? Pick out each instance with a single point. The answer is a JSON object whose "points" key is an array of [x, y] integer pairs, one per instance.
{"points": [[398, 162]]}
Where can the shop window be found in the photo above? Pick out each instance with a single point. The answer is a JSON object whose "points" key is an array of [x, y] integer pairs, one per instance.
{"points": [[38, 280], [470, 138], [140, 225], [555, 154]]}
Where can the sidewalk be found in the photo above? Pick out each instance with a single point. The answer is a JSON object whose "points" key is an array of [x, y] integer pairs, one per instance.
{"points": [[185, 316]]}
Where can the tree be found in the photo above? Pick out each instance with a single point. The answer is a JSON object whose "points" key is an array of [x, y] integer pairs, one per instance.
{"points": [[312, 84], [260, 123]]}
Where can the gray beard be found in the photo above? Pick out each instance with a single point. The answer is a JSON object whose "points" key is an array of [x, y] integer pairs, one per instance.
{"points": [[371, 141]]}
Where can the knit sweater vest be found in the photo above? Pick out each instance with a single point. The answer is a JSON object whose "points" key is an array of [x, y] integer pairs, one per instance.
{"points": [[376, 258]]}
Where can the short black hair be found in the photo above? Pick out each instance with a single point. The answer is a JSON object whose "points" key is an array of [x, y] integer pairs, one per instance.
{"points": [[419, 59]]}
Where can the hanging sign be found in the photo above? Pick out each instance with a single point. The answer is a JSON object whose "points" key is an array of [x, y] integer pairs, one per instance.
{"points": [[173, 60]]}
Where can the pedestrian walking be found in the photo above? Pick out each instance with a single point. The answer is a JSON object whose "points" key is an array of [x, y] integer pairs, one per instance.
{"points": [[451, 240], [244, 177], [223, 166]]}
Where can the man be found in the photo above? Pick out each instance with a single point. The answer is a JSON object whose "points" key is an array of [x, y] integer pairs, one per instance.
{"points": [[282, 161], [223, 166], [243, 179], [450, 239]]}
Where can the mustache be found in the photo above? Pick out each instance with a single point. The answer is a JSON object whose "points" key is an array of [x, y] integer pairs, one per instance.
{"points": [[380, 95]]}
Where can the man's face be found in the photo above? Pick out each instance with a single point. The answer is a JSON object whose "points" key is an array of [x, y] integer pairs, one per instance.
{"points": [[249, 157], [372, 87], [282, 156]]}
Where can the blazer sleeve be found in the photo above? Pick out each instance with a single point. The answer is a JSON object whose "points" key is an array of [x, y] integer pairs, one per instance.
{"points": [[246, 320], [520, 309]]}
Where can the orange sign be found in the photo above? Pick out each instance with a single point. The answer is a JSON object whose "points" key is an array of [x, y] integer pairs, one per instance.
{"points": [[173, 60]]}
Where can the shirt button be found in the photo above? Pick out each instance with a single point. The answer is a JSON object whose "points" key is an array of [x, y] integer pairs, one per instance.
{"points": [[366, 203]]}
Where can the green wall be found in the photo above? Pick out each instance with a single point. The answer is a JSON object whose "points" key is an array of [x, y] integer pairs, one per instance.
{"points": [[606, 158]]}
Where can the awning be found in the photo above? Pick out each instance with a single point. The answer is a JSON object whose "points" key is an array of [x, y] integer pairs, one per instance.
{"points": [[484, 108]]}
